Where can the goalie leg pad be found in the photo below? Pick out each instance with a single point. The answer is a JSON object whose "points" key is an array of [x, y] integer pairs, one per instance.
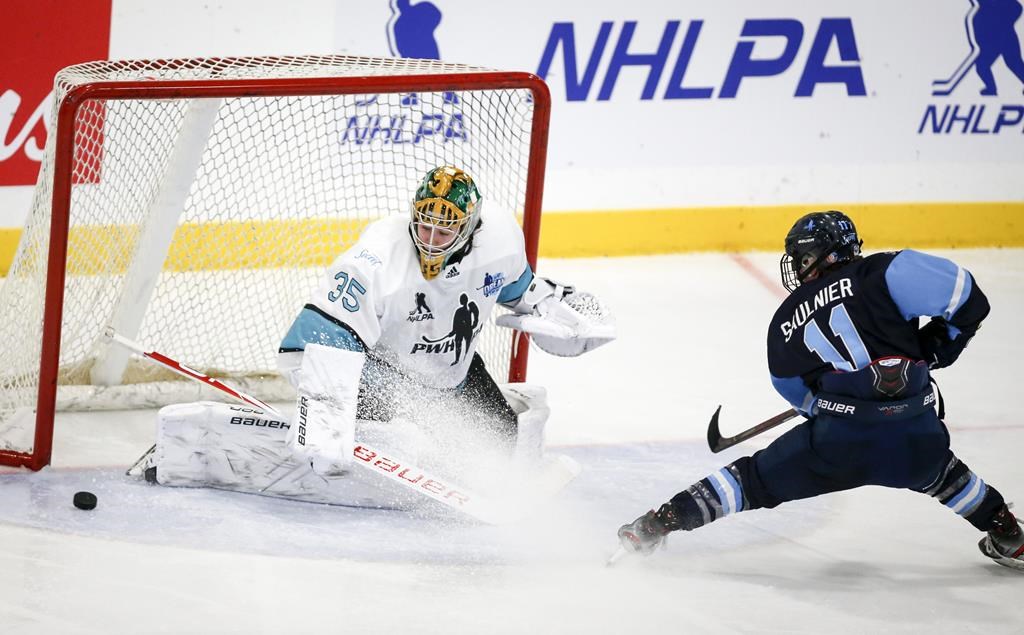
{"points": [[530, 404], [214, 444], [242, 449]]}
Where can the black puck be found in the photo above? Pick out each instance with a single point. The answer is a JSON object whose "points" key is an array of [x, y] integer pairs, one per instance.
{"points": [[85, 500]]}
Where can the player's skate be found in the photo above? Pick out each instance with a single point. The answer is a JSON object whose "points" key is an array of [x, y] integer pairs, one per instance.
{"points": [[647, 533], [1005, 542]]}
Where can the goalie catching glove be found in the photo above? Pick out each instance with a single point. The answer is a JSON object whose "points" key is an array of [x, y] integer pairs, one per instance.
{"points": [[325, 412], [561, 320]]}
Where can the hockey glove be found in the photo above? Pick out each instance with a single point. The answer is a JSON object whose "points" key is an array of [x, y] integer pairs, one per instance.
{"points": [[938, 347], [323, 431], [561, 320]]}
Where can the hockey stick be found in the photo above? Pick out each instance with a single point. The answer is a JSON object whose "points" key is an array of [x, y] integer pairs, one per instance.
{"points": [[717, 442], [387, 465]]}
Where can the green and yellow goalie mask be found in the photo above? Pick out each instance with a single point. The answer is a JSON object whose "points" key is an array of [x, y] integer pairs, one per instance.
{"points": [[445, 213]]}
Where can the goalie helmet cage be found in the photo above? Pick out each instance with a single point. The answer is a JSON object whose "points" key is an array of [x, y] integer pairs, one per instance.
{"points": [[193, 205]]}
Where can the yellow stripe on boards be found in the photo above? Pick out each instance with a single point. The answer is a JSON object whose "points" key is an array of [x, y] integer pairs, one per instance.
{"points": [[665, 231], [316, 242]]}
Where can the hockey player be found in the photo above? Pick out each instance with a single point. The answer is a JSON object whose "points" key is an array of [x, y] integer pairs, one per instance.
{"points": [[846, 351], [389, 339]]}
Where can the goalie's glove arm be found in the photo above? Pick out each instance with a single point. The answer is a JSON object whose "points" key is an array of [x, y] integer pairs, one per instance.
{"points": [[922, 285], [528, 294], [511, 295], [560, 320]]}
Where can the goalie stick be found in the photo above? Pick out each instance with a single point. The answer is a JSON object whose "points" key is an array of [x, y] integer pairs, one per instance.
{"points": [[387, 465], [717, 442]]}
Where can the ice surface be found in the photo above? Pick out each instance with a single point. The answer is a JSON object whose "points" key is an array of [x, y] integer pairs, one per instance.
{"points": [[633, 413]]}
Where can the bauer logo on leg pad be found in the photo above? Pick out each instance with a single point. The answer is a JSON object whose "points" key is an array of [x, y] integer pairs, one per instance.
{"points": [[303, 413], [257, 422]]}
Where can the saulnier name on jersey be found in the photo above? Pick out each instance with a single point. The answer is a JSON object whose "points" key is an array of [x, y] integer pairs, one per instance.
{"points": [[827, 295], [374, 298]]}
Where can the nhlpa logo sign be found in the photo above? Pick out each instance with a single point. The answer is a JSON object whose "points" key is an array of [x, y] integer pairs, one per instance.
{"points": [[411, 34], [991, 36], [755, 55]]}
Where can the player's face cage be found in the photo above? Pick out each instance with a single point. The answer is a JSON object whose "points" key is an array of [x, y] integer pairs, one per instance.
{"points": [[816, 243], [438, 226]]}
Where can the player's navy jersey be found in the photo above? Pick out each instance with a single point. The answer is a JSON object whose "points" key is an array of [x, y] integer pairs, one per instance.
{"points": [[863, 311]]}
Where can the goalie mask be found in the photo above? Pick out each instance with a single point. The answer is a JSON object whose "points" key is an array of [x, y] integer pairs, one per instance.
{"points": [[816, 243], [445, 213]]}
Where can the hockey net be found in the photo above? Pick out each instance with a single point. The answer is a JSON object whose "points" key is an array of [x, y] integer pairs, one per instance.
{"points": [[200, 201]]}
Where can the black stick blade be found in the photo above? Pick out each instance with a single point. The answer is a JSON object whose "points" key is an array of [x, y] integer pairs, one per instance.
{"points": [[714, 434]]}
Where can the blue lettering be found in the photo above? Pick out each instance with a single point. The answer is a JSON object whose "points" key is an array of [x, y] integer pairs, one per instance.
{"points": [[358, 135], [815, 70], [620, 58], [425, 128], [931, 113], [456, 128], [1003, 120], [397, 125], [954, 116], [977, 122], [744, 65], [563, 33], [675, 89], [832, 33]]}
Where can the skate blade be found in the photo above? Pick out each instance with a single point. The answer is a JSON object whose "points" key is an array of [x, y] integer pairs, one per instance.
{"points": [[619, 554], [998, 558]]}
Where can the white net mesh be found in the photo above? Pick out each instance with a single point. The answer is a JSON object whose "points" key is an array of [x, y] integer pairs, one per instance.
{"points": [[200, 226]]}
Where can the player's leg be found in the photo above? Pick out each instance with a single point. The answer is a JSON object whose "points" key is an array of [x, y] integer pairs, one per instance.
{"points": [[482, 393], [788, 469], [961, 490], [819, 456]]}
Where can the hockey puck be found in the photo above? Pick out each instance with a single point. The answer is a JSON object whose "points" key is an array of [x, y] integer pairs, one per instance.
{"points": [[85, 500]]}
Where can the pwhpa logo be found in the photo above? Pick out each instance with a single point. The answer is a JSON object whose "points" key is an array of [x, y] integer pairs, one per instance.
{"points": [[755, 56], [30, 56], [465, 327], [411, 33], [990, 37]]}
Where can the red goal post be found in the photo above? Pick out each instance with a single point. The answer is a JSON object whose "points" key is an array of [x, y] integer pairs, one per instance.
{"points": [[192, 203]]}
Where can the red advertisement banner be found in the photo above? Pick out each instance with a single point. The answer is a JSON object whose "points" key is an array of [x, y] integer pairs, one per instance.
{"points": [[43, 36]]}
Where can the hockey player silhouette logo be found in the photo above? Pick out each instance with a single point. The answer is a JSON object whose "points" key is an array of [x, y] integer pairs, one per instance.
{"points": [[411, 29], [464, 329], [991, 34], [411, 35], [422, 311], [492, 284]]}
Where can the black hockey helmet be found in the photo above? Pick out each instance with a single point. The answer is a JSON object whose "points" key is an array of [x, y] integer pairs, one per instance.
{"points": [[818, 242]]}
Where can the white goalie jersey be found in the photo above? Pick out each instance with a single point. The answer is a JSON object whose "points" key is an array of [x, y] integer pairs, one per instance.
{"points": [[374, 298]]}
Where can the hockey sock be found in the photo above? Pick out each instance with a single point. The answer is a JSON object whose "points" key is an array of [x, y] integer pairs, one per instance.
{"points": [[718, 494], [964, 492]]}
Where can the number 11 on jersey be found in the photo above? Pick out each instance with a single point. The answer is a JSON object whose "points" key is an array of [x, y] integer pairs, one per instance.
{"points": [[842, 327]]}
